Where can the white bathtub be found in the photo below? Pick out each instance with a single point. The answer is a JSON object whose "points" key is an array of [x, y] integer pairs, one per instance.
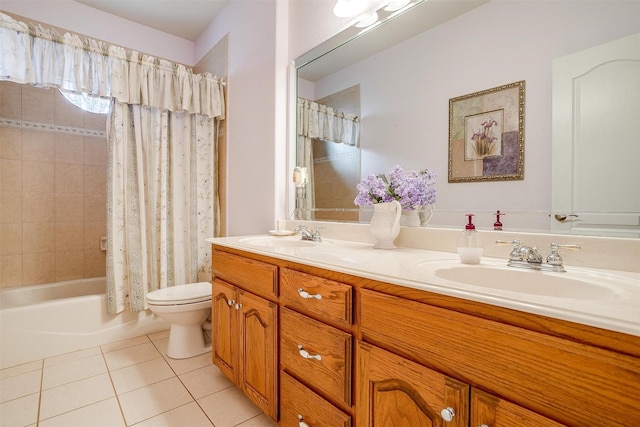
{"points": [[47, 320]]}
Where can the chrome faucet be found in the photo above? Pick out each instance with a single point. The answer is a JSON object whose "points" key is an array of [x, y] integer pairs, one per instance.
{"points": [[308, 235], [523, 256]]}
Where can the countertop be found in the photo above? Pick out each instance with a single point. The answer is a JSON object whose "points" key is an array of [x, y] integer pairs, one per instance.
{"points": [[616, 309]]}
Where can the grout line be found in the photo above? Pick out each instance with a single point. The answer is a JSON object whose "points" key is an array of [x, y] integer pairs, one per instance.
{"points": [[124, 420], [40, 393]]}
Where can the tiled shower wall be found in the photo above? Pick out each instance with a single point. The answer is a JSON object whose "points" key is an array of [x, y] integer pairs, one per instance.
{"points": [[52, 187]]}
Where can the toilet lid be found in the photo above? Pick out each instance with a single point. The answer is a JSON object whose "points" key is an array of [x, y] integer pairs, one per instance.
{"points": [[181, 294]]}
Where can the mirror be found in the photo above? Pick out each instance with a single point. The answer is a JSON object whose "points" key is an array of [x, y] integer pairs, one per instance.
{"points": [[404, 90]]}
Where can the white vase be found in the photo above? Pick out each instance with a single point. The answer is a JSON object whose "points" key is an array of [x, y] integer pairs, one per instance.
{"points": [[385, 224], [410, 218], [426, 213], [419, 217]]}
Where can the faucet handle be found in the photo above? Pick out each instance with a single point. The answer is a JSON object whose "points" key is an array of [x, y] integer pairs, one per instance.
{"points": [[300, 228], [515, 252], [554, 257]]}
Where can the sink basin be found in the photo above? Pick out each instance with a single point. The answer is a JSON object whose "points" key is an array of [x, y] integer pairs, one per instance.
{"points": [[277, 242], [575, 285]]}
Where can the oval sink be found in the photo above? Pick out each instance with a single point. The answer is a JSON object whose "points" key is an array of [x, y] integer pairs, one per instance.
{"points": [[557, 285], [277, 242]]}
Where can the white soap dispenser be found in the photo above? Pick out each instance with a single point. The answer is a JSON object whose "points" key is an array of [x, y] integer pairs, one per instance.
{"points": [[470, 244]]}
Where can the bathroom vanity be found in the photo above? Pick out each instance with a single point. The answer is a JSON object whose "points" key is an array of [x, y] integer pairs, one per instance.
{"points": [[339, 334]]}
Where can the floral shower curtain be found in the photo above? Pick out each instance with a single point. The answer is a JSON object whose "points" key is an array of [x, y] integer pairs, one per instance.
{"points": [[162, 195]]}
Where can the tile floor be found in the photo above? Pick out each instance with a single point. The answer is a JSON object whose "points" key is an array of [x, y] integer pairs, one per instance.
{"points": [[127, 383]]}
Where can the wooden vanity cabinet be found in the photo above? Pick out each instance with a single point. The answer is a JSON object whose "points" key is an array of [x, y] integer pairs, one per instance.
{"points": [[313, 347], [245, 327]]}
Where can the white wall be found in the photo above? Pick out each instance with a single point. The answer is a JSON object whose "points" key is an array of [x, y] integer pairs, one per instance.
{"points": [[498, 43], [256, 111]]}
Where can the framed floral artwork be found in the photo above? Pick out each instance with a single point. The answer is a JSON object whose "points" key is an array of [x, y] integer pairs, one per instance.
{"points": [[486, 135]]}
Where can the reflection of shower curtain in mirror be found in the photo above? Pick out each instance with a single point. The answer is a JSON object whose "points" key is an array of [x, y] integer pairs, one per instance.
{"points": [[317, 121]]}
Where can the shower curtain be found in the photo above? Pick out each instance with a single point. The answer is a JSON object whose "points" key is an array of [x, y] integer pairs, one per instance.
{"points": [[162, 187], [160, 202]]}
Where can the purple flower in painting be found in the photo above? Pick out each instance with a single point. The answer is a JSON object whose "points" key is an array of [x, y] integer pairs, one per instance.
{"points": [[412, 189]]}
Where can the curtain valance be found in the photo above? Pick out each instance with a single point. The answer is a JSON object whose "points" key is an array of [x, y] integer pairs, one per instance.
{"points": [[35, 55], [325, 123]]}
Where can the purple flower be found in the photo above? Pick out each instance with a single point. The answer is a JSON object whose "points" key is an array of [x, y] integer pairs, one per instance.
{"points": [[412, 189]]}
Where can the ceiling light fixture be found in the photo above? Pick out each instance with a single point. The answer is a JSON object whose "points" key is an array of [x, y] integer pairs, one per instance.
{"points": [[350, 8], [396, 5], [367, 20]]}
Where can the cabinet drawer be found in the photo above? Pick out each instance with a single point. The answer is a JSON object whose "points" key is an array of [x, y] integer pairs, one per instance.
{"points": [[254, 276], [323, 299], [570, 382], [299, 404], [317, 354]]}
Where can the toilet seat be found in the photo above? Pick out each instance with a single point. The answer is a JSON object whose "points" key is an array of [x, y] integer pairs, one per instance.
{"points": [[180, 295]]}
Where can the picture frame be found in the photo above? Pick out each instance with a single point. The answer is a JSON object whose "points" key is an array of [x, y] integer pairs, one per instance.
{"points": [[486, 135]]}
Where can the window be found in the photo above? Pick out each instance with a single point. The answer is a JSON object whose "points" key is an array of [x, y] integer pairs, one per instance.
{"points": [[92, 104]]}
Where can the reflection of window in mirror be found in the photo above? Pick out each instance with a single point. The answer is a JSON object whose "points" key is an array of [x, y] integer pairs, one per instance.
{"points": [[336, 166]]}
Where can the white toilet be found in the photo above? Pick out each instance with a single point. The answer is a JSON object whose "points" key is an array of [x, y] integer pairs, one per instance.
{"points": [[186, 308]]}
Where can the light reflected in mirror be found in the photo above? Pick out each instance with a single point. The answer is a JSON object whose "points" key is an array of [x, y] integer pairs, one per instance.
{"points": [[404, 90]]}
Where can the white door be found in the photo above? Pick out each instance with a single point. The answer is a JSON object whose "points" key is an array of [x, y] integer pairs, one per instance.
{"points": [[596, 140]]}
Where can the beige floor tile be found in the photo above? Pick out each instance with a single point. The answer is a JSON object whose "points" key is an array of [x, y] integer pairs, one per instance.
{"points": [[105, 413], [147, 402], [187, 415], [75, 370], [205, 381], [68, 397], [74, 355], [140, 375], [20, 369], [20, 412], [181, 366], [131, 355], [118, 345], [260, 421], [159, 335], [228, 408], [19, 385]]}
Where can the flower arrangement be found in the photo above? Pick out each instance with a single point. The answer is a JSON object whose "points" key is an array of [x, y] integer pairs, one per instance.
{"points": [[412, 189]]}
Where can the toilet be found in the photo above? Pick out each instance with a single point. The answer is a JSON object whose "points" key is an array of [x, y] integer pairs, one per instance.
{"points": [[186, 308]]}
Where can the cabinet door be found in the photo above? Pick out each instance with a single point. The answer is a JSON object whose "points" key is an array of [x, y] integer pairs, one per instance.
{"points": [[258, 332], [395, 392], [224, 336], [490, 411]]}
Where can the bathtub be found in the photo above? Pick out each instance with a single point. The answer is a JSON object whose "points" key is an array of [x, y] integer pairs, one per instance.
{"points": [[41, 321]]}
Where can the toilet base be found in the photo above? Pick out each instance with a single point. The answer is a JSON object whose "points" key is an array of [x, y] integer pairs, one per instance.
{"points": [[186, 341]]}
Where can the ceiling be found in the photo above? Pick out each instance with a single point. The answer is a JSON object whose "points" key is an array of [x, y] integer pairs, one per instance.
{"points": [[183, 18]]}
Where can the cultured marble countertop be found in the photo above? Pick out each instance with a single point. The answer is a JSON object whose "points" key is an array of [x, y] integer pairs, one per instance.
{"points": [[613, 303]]}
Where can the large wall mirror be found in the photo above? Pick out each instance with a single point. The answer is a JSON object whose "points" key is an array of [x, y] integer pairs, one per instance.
{"points": [[398, 78]]}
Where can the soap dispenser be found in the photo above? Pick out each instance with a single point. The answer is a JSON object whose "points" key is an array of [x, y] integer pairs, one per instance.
{"points": [[470, 244]]}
